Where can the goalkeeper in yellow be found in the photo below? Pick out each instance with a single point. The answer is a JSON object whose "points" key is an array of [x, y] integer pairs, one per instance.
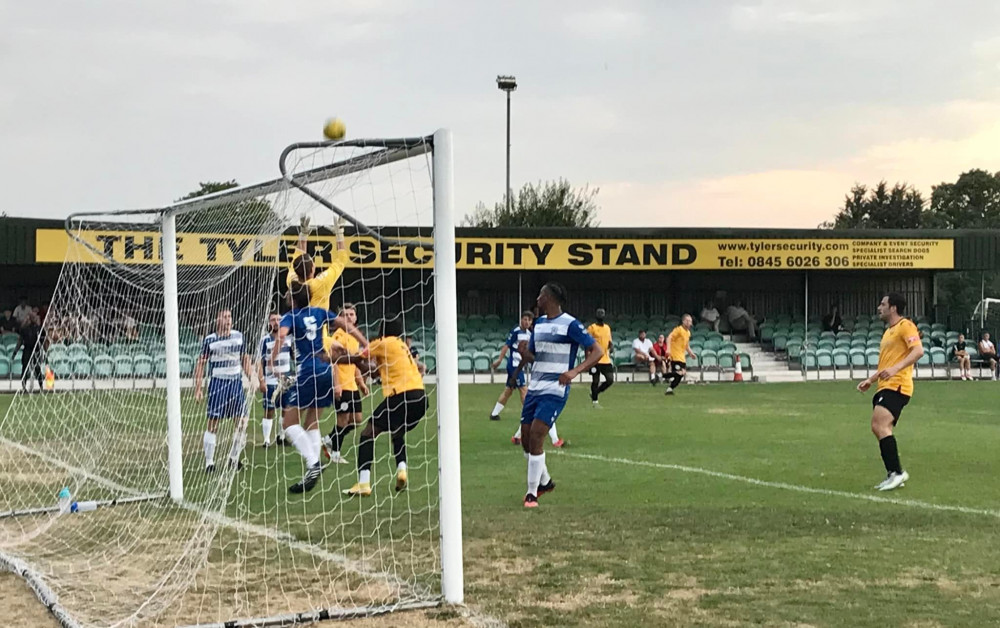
{"points": [[401, 410], [302, 268]]}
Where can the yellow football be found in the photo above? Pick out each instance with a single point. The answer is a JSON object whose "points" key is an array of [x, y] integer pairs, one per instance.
{"points": [[334, 129]]}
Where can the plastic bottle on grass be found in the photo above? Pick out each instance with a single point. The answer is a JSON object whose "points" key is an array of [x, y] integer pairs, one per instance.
{"points": [[84, 506], [65, 501]]}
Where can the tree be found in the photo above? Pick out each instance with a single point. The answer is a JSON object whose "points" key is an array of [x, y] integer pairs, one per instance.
{"points": [[972, 202], [551, 204], [250, 215], [901, 207]]}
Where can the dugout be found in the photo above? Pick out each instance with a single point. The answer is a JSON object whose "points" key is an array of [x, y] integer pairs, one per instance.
{"points": [[646, 272]]}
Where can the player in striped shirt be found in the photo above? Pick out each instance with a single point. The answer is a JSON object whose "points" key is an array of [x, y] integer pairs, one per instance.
{"points": [[225, 353], [268, 378], [551, 351], [515, 376]]}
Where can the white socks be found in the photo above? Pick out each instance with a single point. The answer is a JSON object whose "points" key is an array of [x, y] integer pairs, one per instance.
{"points": [[316, 440], [401, 466], [517, 434], [553, 434], [546, 478], [266, 424], [209, 443], [497, 409], [365, 476], [303, 443], [239, 441], [536, 464]]}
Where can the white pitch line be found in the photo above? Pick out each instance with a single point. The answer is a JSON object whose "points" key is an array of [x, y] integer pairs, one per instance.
{"points": [[910, 503]]}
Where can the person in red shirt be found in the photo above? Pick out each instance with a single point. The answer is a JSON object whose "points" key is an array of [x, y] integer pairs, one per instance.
{"points": [[661, 355]]}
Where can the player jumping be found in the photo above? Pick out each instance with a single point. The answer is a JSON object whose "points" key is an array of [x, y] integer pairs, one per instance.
{"points": [[515, 376], [273, 401], [313, 387], [349, 389], [899, 351], [401, 410], [552, 351], [225, 353]]}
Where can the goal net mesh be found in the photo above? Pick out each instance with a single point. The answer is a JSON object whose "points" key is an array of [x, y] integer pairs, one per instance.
{"points": [[238, 547]]}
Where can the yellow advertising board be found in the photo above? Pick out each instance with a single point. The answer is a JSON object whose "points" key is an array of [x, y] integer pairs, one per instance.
{"points": [[211, 249]]}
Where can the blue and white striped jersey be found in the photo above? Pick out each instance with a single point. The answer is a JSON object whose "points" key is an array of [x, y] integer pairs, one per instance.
{"points": [[282, 365], [225, 354], [515, 336], [554, 343]]}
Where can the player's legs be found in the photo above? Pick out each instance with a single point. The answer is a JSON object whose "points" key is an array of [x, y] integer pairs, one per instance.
{"points": [[595, 382], [886, 407], [516, 438], [208, 442], [501, 401], [676, 376]]}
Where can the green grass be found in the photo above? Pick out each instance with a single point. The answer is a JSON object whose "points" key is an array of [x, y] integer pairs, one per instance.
{"points": [[636, 535]]}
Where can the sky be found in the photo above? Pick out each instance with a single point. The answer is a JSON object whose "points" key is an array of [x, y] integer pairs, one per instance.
{"points": [[712, 113]]}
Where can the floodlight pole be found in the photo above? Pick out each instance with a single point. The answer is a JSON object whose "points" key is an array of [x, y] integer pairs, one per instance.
{"points": [[507, 84]]}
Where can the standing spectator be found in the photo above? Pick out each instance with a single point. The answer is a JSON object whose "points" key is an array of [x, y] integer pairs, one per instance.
{"points": [[962, 355], [43, 311], [6, 321], [741, 320], [643, 349], [131, 327], [22, 311], [710, 315], [988, 351], [832, 321], [30, 335], [661, 355]]}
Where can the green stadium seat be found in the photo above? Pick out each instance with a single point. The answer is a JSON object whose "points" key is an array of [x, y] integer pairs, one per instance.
{"points": [[824, 358], [57, 351], [727, 360], [727, 347], [61, 366], [465, 363], [5, 366], [8, 341], [83, 366], [124, 365], [809, 360], [142, 365], [77, 350], [186, 365], [872, 357], [857, 357], [104, 366], [939, 327], [709, 359], [481, 362], [780, 343], [160, 364], [430, 362], [841, 358], [795, 352], [623, 356]]}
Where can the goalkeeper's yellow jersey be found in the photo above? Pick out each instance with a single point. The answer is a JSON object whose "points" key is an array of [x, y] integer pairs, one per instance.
{"points": [[321, 285]]}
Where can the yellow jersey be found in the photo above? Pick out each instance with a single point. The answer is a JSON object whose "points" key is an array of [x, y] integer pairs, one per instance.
{"points": [[396, 366], [346, 373], [602, 335], [321, 285], [896, 343], [679, 340]]}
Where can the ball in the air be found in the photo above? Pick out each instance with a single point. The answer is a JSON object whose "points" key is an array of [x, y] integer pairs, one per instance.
{"points": [[334, 129]]}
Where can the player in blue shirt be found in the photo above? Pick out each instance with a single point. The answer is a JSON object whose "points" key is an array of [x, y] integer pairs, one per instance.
{"points": [[551, 351], [515, 376], [313, 386], [274, 400], [225, 353]]}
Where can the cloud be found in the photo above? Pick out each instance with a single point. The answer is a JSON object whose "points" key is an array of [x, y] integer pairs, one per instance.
{"points": [[768, 15], [605, 24], [807, 196]]}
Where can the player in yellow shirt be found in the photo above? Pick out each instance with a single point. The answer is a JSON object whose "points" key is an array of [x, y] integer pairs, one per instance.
{"points": [[601, 332], [401, 410], [678, 349], [302, 268], [348, 389], [899, 351]]}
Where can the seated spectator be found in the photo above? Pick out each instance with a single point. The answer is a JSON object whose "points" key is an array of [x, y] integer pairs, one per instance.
{"points": [[741, 320], [661, 356], [22, 311], [832, 321], [710, 315], [131, 327], [6, 321], [962, 355], [988, 352], [643, 349]]}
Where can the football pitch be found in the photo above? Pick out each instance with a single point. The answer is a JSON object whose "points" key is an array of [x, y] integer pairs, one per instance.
{"points": [[724, 505]]}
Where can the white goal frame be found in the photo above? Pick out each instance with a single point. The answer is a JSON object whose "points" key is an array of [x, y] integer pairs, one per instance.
{"points": [[446, 330]]}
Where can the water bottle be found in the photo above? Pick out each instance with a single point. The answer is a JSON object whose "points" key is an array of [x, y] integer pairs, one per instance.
{"points": [[64, 500], [83, 506]]}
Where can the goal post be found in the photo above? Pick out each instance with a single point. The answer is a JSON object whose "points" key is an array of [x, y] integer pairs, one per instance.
{"points": [[126, 432]]}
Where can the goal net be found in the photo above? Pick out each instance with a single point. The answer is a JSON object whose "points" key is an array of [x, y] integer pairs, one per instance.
{"points": [[107, 504]]}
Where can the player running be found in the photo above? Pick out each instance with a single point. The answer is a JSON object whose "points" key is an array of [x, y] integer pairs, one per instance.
{"points": [[273, 400], [401, 410], [225, 353], [678, 348], [515, 376], [552, 351], [601, 332], [313, 387], [349, 388], [899, 351]]}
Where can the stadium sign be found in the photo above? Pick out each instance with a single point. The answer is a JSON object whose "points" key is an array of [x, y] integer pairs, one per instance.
{"points": [[213, 249]]}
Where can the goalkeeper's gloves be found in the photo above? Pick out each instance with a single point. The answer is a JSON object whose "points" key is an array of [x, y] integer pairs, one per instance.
{"points": [[304, 228], [285, 383]]}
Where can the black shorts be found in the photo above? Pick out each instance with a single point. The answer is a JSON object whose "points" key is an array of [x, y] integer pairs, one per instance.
{"points": [[891, 400], [349, 402], [400, 412], [677, 367], [604, 369]]}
